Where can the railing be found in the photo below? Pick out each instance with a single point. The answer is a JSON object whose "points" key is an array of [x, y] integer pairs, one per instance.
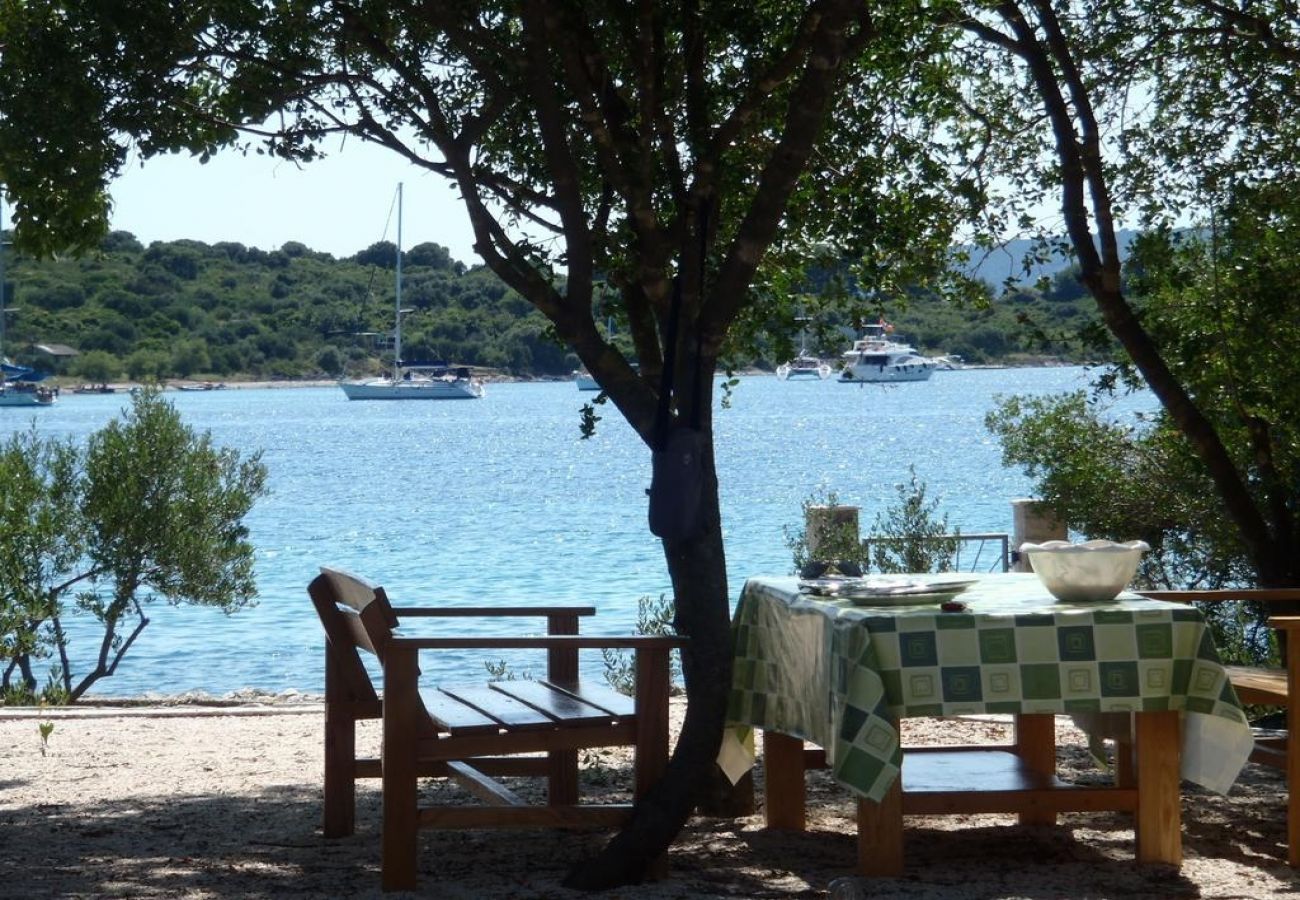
{"points": [[988, 551]]}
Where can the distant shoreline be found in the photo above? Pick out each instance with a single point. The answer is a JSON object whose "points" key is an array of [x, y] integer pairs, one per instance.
{"points": [[175, 385]]}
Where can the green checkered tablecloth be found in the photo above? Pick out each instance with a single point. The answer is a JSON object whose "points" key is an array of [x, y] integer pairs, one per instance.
{"points": [[841, 675]]}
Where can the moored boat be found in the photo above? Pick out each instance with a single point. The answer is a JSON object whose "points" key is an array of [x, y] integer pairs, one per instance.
{"points": [[21, 387], [877, 357], [805, 367], [413, 380]]}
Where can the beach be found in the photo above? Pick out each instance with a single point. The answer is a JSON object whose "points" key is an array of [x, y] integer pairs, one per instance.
{"points": [[187, 800]]}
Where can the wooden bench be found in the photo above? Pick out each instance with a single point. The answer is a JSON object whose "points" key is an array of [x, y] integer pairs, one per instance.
{"points": [[472, 732], [1261, 686]]}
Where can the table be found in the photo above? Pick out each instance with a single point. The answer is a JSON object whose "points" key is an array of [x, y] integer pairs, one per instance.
{"points": [[841, 676]]}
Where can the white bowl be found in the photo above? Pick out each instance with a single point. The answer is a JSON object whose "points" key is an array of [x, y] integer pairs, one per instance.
{"points": [[1088, 572]]}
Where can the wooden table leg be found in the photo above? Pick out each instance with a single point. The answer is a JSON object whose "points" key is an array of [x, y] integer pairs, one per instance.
{"points": [[1036, 746], [1159, 820], [880, 834], [783, 777]]}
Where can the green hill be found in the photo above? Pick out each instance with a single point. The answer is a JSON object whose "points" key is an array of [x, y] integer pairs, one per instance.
{"points": [[186, 309]]}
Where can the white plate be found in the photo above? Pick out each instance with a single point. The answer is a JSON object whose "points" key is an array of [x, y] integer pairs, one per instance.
{"points": [[911, 598], [884, 591]]}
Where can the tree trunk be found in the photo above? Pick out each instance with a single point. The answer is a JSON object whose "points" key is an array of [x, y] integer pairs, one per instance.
{"points": [[703, 614]]}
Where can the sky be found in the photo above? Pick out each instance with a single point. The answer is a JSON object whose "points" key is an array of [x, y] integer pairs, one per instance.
{"points": [[337, 205]]}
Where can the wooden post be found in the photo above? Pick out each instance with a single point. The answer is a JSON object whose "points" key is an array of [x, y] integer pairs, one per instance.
{"points": [[783, 777], [399, 842], [1036, 745], [1159, 827], [1032, 521], [880, 834], [562, 669], [340, 754]]}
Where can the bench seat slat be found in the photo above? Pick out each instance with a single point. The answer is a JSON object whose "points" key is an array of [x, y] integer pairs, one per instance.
{"points": [[601, 696], [508, 712], [454, 716], [1258, 685], [554, 703]]}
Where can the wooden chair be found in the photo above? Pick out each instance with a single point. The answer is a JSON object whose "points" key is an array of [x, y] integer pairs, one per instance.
{"points": [[470, 733], [1260, 686]]}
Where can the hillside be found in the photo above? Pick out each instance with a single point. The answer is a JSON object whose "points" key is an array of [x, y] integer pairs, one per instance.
{"points": [[185, 309]]}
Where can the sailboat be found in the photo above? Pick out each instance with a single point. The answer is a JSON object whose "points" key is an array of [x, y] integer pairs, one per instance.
{"points": [[413, 380], [19, 385], [805, 365]]}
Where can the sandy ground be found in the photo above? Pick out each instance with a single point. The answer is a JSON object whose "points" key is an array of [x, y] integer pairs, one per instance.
{"points": [[199, 803]]}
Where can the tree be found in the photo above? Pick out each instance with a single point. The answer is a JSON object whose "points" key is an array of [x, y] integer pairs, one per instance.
{"points": [[150, 511], [658, 153], [1153, 109]]}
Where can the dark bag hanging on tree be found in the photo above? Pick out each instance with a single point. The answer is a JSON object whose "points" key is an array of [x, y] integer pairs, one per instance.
{"points": [[677, 458], [677, 485]]}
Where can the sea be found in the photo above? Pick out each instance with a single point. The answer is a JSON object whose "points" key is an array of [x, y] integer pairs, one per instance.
{"points": [[500, 501]]}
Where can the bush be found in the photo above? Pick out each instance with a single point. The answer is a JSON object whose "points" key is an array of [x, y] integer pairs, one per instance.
{"points": [[148, 511]]}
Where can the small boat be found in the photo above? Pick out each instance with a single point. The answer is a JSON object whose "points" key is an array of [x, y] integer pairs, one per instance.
{"points": [[805, 365], [202, 386], [20, 386], [413, 380], [584, 380], [951, 362], [877, 357], [94, 389]]}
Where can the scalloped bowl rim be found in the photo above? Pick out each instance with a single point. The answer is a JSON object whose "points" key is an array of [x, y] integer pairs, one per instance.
{"points": [[1094, 546]]}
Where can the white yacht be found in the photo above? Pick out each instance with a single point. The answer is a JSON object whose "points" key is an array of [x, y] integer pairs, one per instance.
{"points": [[413, 380], [878, 357], [584, 380]]}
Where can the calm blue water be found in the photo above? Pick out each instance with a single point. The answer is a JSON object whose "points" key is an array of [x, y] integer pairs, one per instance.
{"points": [[499, 500]]}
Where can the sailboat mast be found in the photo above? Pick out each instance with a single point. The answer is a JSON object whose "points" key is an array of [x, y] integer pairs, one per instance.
{"points": [[2, 284], [397, 331]]}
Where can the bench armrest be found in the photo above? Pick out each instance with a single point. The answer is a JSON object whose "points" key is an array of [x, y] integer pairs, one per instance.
{"points": [[452, 612], [1259, 595], [542, 642]]}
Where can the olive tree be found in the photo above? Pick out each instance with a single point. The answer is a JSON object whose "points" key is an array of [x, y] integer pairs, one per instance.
{"points": [[148, 511]]}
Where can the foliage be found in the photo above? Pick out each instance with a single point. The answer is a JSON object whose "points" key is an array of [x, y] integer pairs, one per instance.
{"points": [[652, 617], [241, 311], [1107, 478], [908, 537], [1217, 301], [903, 538], [148, 511], [827, 533]]}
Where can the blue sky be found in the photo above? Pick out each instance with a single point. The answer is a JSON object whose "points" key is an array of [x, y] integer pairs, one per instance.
{"points": [[337, 205]]}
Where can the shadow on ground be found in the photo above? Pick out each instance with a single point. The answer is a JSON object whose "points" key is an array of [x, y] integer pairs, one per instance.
{"points": [[267, 843]]}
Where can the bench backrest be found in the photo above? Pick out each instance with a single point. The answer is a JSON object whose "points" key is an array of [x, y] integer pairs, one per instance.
{"points": [[346, 604]]}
